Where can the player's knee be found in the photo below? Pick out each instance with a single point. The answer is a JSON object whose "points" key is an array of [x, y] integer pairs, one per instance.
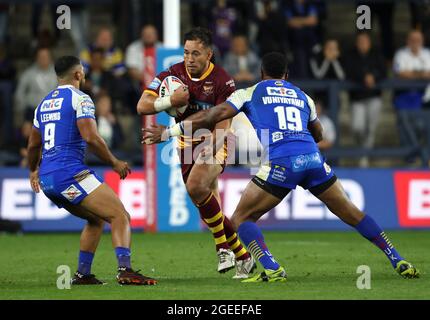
{"points": [[197, 190], [127, 215], [96, 222]]}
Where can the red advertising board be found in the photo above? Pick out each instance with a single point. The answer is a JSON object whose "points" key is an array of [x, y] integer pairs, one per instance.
{"points": [[413, 198]]}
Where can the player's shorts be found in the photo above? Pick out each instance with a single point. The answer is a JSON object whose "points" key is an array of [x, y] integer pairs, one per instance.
{"points": [[187, 162], [187, 155], [69, 185], [309, 171]]}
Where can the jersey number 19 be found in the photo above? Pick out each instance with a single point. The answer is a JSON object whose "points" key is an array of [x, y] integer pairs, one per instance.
{"points": [[289, 118]]}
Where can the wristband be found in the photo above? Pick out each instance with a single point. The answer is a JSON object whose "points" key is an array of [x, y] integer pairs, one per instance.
{"points": [[161, 104], [175, 130]]}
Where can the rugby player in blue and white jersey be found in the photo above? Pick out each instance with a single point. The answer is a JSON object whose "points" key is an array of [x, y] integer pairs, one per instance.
{"points": [[64, 124], [287, 116]]}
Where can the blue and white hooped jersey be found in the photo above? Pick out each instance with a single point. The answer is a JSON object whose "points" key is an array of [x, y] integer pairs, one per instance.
{"points": [[55, 118], [280, 113]]}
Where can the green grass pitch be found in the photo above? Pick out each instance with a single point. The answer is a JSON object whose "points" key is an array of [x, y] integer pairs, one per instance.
{"points": [[320, 265]]}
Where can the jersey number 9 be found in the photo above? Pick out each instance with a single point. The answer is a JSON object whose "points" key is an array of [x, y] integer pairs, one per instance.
{"points": [[49, 136]]}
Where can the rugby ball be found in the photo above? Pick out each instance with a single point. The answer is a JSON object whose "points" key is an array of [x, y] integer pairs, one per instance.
{"points": [[167, 87]]}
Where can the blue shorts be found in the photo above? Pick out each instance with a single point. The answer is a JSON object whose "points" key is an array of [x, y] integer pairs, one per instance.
{"points": [[309, 171], [69, 185]]}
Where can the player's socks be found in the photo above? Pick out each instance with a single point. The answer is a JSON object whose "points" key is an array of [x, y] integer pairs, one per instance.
{"points": [[369, 229], [85, 262], [254, 240], [211, 214], [239, 250], [123, 256]]}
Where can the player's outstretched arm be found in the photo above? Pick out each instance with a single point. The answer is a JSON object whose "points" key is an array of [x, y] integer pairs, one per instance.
{"points": [[152, 104], [34, 148], [88, 130], [202, 119], [316, 129]]}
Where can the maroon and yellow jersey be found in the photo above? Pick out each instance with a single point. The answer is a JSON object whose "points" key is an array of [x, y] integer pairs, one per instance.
{"points": [[212, 88]]}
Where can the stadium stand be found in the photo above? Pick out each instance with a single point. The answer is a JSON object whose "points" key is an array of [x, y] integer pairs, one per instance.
{"points": [[334, 19]]}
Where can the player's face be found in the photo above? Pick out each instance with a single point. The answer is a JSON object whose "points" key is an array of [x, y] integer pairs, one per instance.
{"points": [[196, 57]]}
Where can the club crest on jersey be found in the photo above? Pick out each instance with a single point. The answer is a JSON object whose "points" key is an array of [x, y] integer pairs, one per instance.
{"points": [[51, 105], [208, 88], [279, 83], [55, 93], [282, 92], [71, 193]]}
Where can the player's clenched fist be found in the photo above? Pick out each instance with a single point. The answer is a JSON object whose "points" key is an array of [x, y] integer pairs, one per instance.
{"points": [[122, 168]]}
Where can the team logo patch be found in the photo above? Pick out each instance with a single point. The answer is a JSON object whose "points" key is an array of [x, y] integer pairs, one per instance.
{"points": [[279, 83], [71, 193], [88, 107], [279, 173], [230, 83], [51, 105], [55, 93], [327, 168], [154, 84]]}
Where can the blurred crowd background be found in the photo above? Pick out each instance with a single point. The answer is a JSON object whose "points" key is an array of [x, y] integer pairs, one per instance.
{"points": [[371, 86]]}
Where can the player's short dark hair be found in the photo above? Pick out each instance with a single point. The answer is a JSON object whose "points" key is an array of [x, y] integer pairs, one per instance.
{"points": [[199, 34], [64, 64], [274, 64]]}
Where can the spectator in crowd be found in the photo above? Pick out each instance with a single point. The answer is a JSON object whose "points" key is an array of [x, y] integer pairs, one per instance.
{"points": [[365, 66], [140, 56], [34, 84], [384, 11], [271, 28], [98, 80], [413, 63], [223, 26], [23, 140], [107, 124], [329, 132], [420, 12], [327, 64], [242, 63], [302, 20], [3, 22], [113, 57], [7, 79]]}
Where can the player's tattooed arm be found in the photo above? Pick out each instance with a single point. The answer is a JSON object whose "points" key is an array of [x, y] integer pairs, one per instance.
{"points": [[34, 149], [316, 129], [88, 130], [202, 119]]}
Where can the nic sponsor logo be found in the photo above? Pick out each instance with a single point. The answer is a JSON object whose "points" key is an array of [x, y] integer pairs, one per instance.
{"points": [[281, 91], [51, 105]]}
